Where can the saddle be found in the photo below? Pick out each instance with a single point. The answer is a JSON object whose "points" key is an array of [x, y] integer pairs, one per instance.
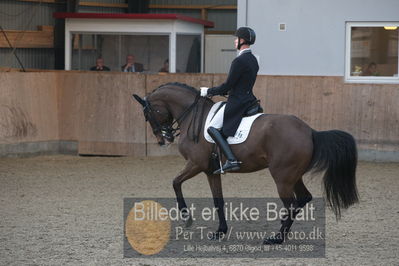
{"points": [[254, 109], [244, 127]]}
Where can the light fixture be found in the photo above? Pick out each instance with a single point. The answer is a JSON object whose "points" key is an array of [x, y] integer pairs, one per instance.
{"points": [[390, 27]]}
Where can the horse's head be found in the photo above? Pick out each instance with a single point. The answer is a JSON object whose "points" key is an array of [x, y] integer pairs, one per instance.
{"points": [[159, 117], [167, 107]]}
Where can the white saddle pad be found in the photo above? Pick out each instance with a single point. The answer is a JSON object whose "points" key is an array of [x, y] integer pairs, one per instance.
{"points": [[242, 131]]}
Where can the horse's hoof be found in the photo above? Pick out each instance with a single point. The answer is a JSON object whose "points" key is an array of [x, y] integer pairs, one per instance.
{"points": [[189, 222], [276, 240], [217, 235]]}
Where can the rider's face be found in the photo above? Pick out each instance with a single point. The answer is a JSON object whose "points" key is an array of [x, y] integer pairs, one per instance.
{"points": [[236, 42]]}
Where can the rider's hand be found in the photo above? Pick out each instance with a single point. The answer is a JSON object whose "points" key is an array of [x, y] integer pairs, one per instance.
{"points": [[204, 91]]}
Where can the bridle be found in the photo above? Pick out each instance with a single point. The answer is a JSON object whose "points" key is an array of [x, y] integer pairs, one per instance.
{"points": [[168, 131]]}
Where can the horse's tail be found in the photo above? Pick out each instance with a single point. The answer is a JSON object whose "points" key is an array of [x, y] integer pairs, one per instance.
{"points": [[335, 152]]}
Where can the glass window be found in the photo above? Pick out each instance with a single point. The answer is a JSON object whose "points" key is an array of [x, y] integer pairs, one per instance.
{"points": [[373, 52], [128, 53], [188, 53]]}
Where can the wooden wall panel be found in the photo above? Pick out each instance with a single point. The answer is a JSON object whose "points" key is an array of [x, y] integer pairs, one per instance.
{"points": [[42, 38], [218, 80], [97, 110], [368, 111], [28, 107]]}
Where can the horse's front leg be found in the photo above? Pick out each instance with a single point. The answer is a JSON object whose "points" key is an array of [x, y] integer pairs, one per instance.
{"points": [[189, 171], [215, 183]]}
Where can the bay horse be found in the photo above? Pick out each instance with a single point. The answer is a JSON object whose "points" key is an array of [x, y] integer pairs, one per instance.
{"points": [[283, 143]]}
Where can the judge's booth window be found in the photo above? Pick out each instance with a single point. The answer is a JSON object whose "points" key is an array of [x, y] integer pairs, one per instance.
{"points": [[129, 53], [373, 52], [188, 53]]}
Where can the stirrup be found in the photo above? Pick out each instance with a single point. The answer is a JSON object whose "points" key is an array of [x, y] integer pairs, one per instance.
{"points": [[228, 167]]}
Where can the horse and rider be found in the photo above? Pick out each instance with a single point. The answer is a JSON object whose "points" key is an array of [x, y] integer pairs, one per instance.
{"points": [[284, 144]]}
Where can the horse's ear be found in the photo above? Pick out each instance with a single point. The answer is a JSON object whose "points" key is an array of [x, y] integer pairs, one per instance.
{"points": [[140, 100]]}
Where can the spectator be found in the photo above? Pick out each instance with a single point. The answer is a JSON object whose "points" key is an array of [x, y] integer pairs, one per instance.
{"points": [[100, 65], [371, 70], [131, 66], [165, 67]]}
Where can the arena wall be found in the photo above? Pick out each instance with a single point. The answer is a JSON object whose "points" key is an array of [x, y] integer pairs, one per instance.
{"points": [[368, 111], [94, 114], [28, 116], [97, 111]]}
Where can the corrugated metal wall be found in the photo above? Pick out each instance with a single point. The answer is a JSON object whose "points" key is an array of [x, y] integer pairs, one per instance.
{"points": [[30, 58], [16, 15], [107, 1], [225, 20], [193, 2]]}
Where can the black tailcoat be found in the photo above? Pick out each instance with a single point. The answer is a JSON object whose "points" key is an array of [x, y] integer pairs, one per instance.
{"points": [[238, 86]]}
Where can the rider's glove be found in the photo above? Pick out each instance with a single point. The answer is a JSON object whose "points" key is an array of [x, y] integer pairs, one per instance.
{"points": [[204, 91]]}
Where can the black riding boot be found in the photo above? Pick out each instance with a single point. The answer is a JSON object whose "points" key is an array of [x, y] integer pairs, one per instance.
{"points": [[231, 164]]}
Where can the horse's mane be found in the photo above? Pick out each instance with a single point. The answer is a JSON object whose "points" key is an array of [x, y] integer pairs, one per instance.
{"points": [[178, 84], [184, 86]]}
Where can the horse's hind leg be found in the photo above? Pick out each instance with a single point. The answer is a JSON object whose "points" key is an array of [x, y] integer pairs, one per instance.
{"points": [[285, 179], [215, 183], [189, 171], [302, 194]]}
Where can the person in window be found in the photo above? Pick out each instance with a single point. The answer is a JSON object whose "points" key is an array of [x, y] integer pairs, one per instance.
{"points": [[238, 86], [99, 65], [165, 67], [371, 70], [131, 65]]}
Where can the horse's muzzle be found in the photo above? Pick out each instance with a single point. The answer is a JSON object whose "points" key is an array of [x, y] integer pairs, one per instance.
{"points": [[161, 143]]}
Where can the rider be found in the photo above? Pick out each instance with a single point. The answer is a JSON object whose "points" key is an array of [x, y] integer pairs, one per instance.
{"points": [[239, 84]]}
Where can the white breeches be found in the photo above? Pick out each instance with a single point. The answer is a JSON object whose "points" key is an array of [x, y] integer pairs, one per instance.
{"points": [[217, 120]]}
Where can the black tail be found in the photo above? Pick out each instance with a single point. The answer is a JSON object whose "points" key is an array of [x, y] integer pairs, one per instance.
{"points": [[335, 151]]}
